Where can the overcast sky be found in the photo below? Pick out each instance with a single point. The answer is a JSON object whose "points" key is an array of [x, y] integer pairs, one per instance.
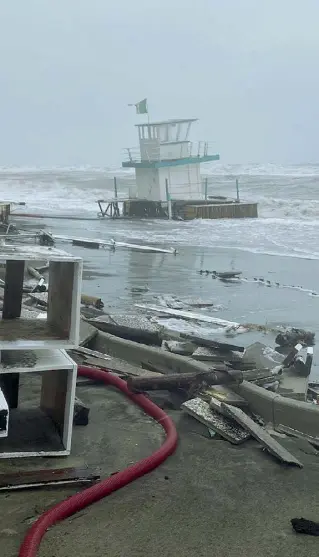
{"points": [[248, 69]]}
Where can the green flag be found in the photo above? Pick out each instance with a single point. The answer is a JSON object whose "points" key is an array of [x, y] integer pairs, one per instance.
{"points": [[141, 107]]}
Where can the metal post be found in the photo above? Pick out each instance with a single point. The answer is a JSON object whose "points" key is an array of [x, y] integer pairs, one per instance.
{"points": [[168, 199], [115, 187], [116, 213], [206, 188], [237, 190]]}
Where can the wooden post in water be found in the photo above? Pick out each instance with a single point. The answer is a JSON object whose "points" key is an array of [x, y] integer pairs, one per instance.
{"points": [[169, 201], [237, 190], [116, 207], [206, 188], [115, 188]]}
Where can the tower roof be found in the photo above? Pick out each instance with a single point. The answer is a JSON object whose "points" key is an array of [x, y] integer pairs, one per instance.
{"points": [[164, 122]]}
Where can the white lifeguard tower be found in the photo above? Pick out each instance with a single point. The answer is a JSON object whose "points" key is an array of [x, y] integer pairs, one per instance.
{"points": [[167, 163], [168, 180]]}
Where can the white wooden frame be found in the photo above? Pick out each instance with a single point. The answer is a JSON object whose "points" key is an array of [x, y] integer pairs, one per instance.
{"points": [[5, 408], [61, 327], [57, 397]]}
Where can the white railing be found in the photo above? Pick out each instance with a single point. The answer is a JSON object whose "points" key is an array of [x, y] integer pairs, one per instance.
{"points": [[170, 151]]}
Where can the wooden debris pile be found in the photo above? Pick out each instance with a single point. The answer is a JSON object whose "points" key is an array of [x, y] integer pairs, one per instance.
{"points": [[209, 394]]}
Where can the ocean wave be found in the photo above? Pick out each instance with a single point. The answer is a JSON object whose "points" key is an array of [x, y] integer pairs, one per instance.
{"points": [[210, 169], [288, 207], [268, 169]]}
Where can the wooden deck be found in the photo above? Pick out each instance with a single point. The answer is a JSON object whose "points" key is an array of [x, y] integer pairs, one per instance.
{"points": [[221, 211]]}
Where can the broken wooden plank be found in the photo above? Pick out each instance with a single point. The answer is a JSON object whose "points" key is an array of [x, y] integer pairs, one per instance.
{"points": [[92, 353], [181, 380], [139, 247], [176, 347], [203, 354], [256, 375], [272, 446], [215, 405], [224, 426], [214, 344], [40, 297], [189, 315], [224, 394], [298, 434], [86, 243], [39, 478]]}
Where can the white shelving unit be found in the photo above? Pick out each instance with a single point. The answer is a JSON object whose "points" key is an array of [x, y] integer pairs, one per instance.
{"points": [[41, 422], [60, 329], [4, 416]]}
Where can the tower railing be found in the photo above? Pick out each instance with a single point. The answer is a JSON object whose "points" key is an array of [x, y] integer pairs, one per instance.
{"points": [[193, 149]]}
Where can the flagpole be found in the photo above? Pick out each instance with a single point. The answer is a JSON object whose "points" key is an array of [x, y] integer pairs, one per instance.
{"points": [[148, 116]]}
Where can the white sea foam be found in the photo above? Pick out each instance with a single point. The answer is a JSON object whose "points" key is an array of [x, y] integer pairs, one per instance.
{"points": [[288, 198]]}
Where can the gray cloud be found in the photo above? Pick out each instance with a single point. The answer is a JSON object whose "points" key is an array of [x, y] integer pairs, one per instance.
{"points": [[246, 68]]}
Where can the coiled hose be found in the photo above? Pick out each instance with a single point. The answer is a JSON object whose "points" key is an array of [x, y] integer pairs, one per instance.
{"points": [[92, 494]]}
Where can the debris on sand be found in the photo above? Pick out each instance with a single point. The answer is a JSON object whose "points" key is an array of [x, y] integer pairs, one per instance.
{"points": [[293, 336], [225, 427]]}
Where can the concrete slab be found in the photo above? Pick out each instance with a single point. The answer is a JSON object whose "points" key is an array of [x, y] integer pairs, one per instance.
{"points": [[263, 356], [293, 385], [209, 497]]}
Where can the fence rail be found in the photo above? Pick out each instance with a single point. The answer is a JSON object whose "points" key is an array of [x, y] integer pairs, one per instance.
{"points": [[205, 189]]}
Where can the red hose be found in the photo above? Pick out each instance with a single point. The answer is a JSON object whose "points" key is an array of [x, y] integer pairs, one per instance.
{"points": [[92, 494]]}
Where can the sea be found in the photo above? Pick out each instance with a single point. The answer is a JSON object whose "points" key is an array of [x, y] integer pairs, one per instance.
{"points": [[277, 254]]}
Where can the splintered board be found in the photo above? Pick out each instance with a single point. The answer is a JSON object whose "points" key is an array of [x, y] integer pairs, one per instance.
{"points": [[272, 446], [41, 403], [222, 425], [60, 327]]}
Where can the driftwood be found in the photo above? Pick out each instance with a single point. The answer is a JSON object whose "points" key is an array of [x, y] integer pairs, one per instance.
{"points": [[92, 301], [34, 273], [41, 285], [129, 333], [189, 315], [214, 344], [86, 243], [182, 380], [226, 274], [25, 479]]}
